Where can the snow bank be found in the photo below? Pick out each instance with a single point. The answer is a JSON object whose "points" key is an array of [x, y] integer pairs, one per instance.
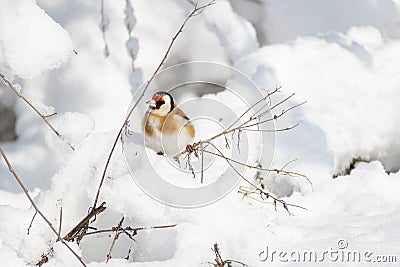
{"points": [[236, 34], [280, 21], [350, 84], [30, 41]]}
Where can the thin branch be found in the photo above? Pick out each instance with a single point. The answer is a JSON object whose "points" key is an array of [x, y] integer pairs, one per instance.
{"points": [[33, 218], [44, 118], [82, 226], [252, 106], [60, 225], [262, 192], [220, 262], [277, 171], [117, 233], [271, 131], [274, 106], [275, 117], [194, 11], [130, 229], [19, 181], [244, 126], [202, 163]]}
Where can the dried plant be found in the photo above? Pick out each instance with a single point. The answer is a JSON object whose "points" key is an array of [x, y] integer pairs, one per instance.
{"points": [[261, 112], [220, 262]]}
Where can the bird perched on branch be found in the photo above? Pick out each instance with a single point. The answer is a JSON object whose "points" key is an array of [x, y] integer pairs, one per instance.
{"points": [[167, 128]]}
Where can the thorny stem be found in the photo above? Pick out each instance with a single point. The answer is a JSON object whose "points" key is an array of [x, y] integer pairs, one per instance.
{"points": [[19, 181], [193, 13], [44, 118]]}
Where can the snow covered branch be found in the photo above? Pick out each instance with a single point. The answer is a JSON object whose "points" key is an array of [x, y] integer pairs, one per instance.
{"points": [[15, 88], [10, 167]]}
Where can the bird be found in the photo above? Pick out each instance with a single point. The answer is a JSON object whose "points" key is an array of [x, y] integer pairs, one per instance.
{"points": [[167, 129]]}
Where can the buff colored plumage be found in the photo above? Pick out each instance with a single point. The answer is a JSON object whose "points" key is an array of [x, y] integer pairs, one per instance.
{"points": [[167, 128]]}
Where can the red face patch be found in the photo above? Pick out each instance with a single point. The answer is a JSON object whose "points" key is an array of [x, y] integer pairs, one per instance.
{"points": [[157, 97]]}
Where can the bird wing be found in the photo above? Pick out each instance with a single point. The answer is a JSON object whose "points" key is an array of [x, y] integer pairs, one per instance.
{"points": [[180, 112]]}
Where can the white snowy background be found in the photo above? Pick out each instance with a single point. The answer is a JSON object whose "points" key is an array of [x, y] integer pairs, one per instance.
{"points": [[343, 57]]}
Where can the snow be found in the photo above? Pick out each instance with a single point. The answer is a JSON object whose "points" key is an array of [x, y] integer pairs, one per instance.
{"points": [[66, 125], [358, 104], [31, 42], [130, 20], [44, 109], [132, 45], [235, 33], [346, 69]]}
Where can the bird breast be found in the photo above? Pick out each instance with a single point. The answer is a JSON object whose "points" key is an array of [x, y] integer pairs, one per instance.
{"points": [[169, 134]]}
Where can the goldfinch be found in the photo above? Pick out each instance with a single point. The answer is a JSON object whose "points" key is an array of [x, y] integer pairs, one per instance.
{"points": [[167, 129]]}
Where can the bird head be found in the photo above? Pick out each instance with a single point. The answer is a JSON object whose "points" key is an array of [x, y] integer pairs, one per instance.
{"points": [[161, 103]]}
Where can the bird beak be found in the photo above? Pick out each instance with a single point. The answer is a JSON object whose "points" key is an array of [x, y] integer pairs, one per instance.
{"points": [[151, 103]]}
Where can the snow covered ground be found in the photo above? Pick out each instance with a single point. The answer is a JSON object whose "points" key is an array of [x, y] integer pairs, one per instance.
{"points": [[343, 58]]}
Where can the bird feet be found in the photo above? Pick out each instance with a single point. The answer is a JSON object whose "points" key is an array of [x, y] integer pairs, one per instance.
{"points": [[191, 149]]}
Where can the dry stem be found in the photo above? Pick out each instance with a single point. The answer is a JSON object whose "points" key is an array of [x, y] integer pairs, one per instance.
{"points": [[44, 117], [130, 229], [117, 233], [119, 135], [262, 192], [82, 226], [220, 262], [19, 181]]}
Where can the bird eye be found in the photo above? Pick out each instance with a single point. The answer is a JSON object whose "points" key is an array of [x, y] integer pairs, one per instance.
{"points": [[160, 102]]}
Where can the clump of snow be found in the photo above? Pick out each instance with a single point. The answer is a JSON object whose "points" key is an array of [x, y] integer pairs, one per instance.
{"points": [[73, 127], [129, 20], [356, 117], [236, 34], [45, 110], [132, 45], [30, 41]]}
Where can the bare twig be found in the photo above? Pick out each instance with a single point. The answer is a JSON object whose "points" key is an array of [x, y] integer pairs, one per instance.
{"points": [[82, 226], [271, 131], [60, 225], [202, 163], [281, 171], [260, 190], [44, 117], [117, 233], [191, 14], [220, 262], [254, 119], [43, 260], [130, 229], [33, 218], [19, 181]]}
